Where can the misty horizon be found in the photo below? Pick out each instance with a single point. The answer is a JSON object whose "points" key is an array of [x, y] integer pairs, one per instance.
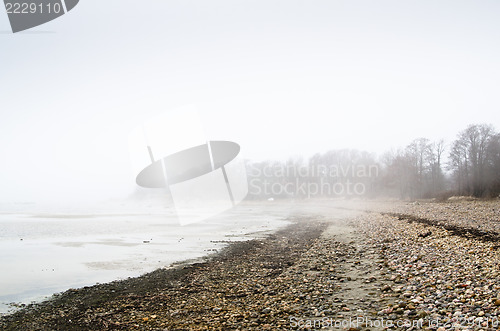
{"points": [[281, 80], [287, 165]]}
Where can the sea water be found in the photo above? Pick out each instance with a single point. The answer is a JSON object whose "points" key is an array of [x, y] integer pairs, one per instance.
{"points": [[45, 250]]}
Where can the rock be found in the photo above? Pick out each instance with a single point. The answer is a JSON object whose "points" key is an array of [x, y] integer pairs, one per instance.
{"points": [[425, 234], [421, 314], [266, 310]]}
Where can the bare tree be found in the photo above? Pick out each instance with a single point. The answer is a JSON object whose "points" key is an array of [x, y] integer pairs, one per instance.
{"points": [[416, 170], [419, 155], [437, 175], [470, 158], [494, 164]]}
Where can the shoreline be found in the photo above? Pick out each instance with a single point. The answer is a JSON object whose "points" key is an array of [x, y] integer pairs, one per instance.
{"points": [[333, 264], [60, 312], [48, 255]]}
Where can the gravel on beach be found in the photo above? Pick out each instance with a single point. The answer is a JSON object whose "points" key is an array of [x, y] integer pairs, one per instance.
{"points": [[443, 259], [414, 264]]}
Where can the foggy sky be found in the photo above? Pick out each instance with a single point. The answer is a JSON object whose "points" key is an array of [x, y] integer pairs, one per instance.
{"points": [[281, 78]]}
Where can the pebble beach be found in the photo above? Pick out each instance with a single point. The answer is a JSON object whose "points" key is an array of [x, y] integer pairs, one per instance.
{"points": [[351, 266], [443, 260]]}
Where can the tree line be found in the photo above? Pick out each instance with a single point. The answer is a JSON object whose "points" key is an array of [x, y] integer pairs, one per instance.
{"points": [[469, 165]]}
